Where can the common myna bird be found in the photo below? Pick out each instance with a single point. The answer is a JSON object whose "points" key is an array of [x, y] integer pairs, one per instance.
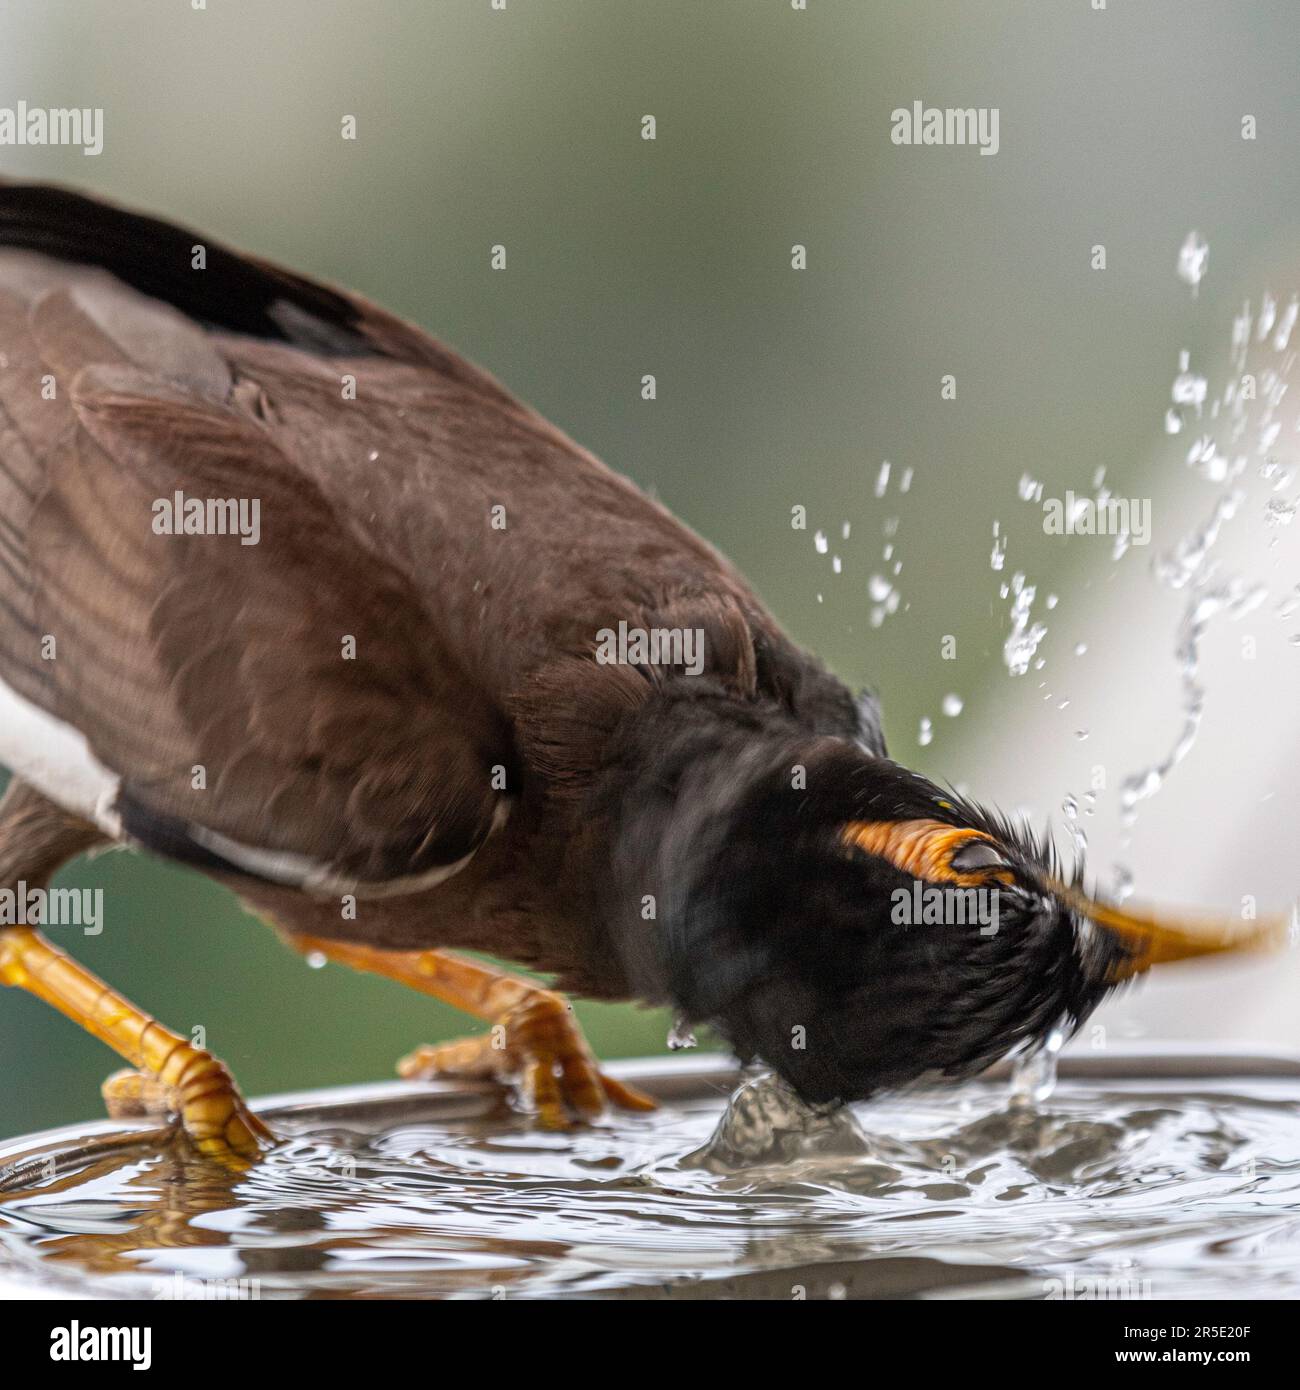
{"points": [[293, 594]]}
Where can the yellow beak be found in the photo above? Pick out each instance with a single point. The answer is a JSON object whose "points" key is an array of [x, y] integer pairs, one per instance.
{"points": [[1156, 940]]}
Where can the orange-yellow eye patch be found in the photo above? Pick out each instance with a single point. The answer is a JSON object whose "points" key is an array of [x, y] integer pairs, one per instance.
{"points": [[924, 849]]}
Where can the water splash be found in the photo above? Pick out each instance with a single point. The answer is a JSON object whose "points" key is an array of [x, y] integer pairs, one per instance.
{"points": [[765, 1123], [1022, 642], [1219, 455], [1234, 597], [1033, 1077]]}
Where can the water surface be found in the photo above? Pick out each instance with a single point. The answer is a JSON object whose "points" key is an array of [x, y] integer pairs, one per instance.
{"points": [[1127, 1190]]}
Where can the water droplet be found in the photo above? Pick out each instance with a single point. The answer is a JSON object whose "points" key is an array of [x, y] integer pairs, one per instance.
{"points": [[1033, 1078], [952, 705], [1122, 883], [925, 735], [1070, 807], [1193, 257], [1022, 642], [1080, 648], [999, 555], [820, 541], [1282, 337], [316, 960], [1189, 389], [882, 479], [1205, 458]]}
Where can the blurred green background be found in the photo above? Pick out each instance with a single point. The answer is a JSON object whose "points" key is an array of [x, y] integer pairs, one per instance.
{"points": [[775, 387]]}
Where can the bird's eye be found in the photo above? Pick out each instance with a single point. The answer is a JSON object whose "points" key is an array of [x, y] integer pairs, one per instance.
{"points": [[975, 855]]}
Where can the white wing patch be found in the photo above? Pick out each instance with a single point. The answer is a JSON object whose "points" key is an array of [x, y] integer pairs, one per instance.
{"points": [[324, 880], [56, 760]]}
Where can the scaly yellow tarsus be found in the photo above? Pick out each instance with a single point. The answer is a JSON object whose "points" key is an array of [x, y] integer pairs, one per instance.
{"points": [[535, 1045], [199, 1087]]}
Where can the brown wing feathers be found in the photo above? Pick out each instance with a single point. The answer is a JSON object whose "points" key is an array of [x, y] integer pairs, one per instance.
{"points": [[215, 679]]}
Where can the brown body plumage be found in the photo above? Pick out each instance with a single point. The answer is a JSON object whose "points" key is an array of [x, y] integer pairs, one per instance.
{"points": [[378, 458]]}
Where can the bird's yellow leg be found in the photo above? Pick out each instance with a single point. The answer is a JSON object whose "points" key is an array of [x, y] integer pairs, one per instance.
{"points": [[535, 1042], [197, 1085]]}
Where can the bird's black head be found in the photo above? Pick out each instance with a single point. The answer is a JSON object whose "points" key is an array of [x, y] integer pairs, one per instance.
{"points": [[858, 928]]}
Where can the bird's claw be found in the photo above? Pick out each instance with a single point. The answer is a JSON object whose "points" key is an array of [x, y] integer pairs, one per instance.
{"points": [[538, 1050], [206, 1108]]}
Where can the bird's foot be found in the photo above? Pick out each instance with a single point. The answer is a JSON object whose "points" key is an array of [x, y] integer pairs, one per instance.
{"points": [[205, 1102], [538, 1050]]}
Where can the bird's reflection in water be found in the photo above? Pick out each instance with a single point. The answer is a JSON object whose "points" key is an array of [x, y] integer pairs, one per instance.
{"points": [[104, 1215]]}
